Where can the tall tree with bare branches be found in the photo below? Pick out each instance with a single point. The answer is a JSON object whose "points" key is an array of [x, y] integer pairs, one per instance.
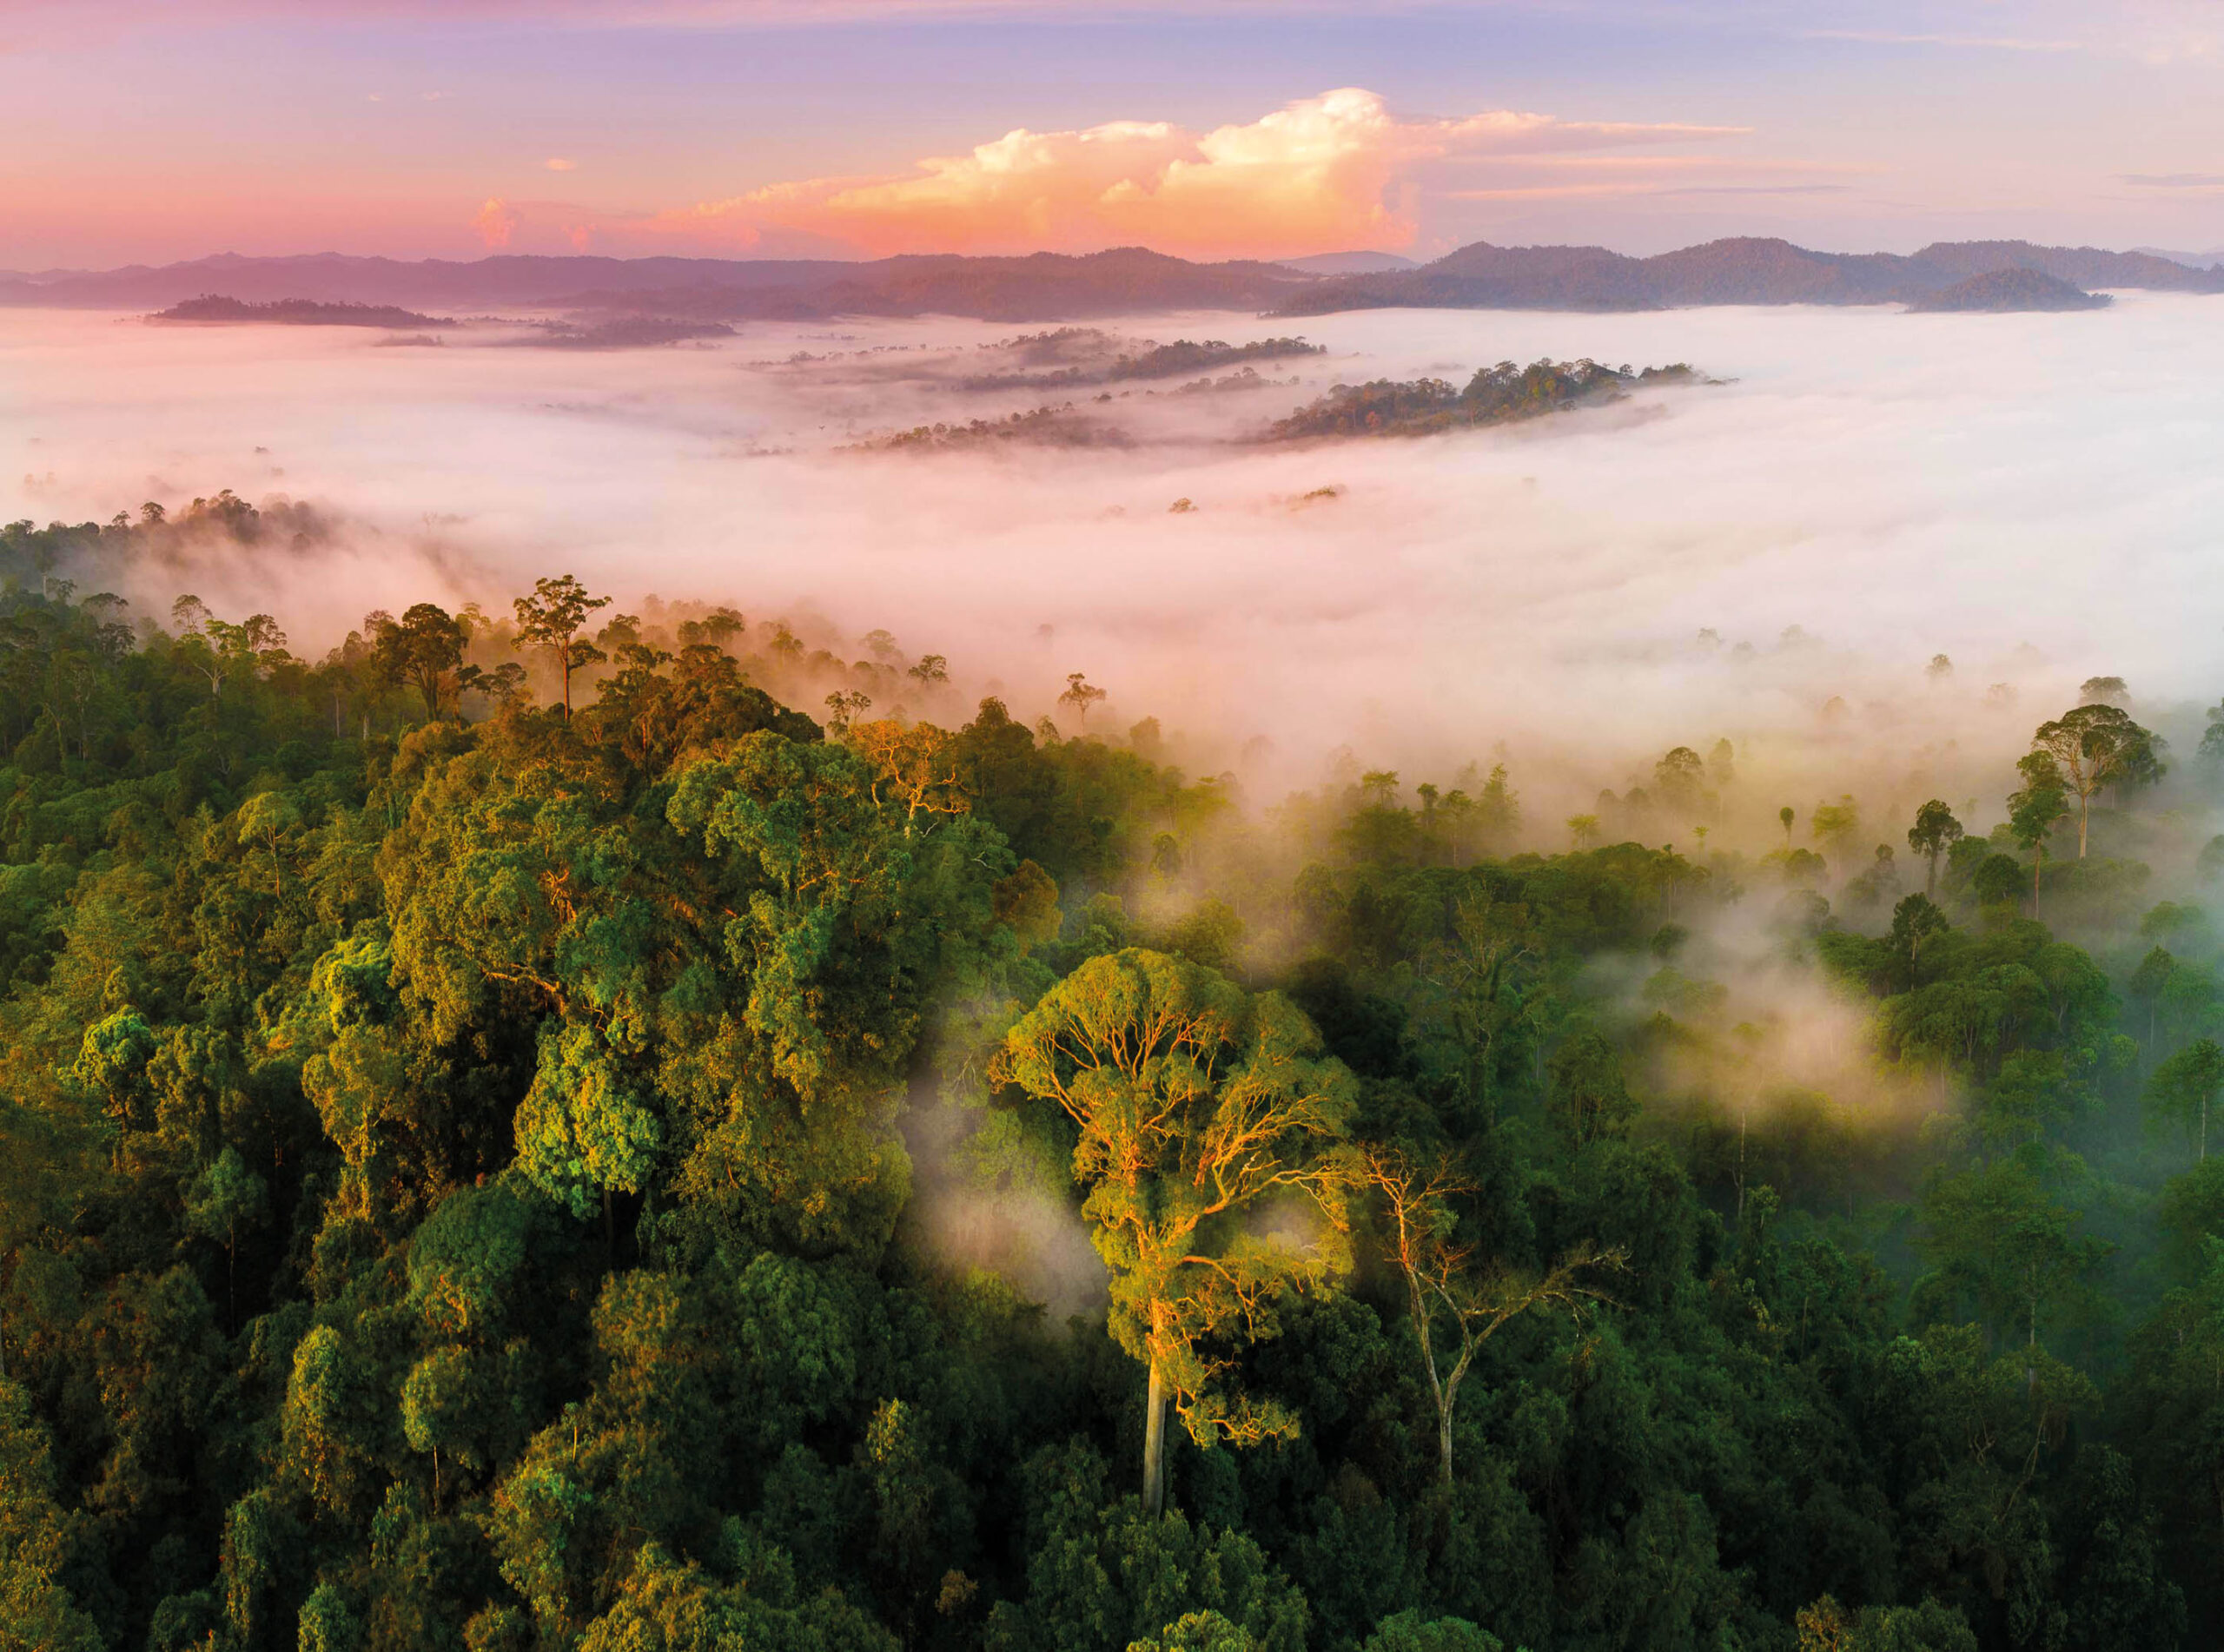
{"points": [[1457, 1299], [2095, 748], [554, 619]]}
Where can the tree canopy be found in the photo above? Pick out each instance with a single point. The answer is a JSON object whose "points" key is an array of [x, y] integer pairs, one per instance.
{"points": [[512, 1137]]}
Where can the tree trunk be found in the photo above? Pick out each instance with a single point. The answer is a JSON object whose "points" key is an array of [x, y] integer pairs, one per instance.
{"points": [[1744, 1114], [2084, 815], [1155, 1445]]}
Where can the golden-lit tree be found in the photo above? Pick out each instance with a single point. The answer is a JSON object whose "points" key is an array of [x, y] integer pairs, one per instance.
{"points": [[2093, 748], [1209, 1123], [553, 620], [914, 765]]}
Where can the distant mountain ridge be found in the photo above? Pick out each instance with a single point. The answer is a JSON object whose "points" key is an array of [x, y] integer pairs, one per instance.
{"points": [[1050, 286], [1744, 270], [2210, 260], [1036, 286], [341, 278]]}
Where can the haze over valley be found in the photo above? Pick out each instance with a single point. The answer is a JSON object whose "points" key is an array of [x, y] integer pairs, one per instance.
{"points": [[1879, 480]]}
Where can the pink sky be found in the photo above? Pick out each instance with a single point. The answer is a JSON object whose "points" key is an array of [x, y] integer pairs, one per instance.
{"points": [[135, 132]]}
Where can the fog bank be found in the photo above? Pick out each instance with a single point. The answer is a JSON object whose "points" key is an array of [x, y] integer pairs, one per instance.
{"points": [[2034, 496]]}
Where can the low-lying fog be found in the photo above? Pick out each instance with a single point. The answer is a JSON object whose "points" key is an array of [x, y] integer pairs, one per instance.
{"points": [[2036, 496]]}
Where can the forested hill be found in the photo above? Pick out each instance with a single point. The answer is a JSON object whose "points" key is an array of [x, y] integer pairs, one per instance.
{"points": [[2003, 290], [465, 1178], [1049, 286]]}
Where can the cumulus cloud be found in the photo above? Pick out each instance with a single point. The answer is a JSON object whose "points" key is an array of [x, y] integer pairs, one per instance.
{"points": [[1336, 170], [496, 221]]}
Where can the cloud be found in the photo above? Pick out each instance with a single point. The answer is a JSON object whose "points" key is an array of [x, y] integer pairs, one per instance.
{"points": [[496, 221], [1327, 172], [558, 164], [1553, 177], [2173, 179]]}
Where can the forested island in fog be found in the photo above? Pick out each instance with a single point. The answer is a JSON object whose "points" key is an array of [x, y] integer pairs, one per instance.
{"points": [[295, 312]]}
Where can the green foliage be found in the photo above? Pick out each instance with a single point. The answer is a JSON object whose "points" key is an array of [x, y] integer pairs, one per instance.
{"points": [[2185, 1086], [1589, 1100], [583, 1129], [423, 651], [36, 1611], [1198, 1632], [1412, 1631], [458, 1182], [2000, 1241], [326, 1624]]}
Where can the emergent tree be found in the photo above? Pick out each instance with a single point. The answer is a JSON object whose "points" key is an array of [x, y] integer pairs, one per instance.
{"points": [[1201, 1109]]}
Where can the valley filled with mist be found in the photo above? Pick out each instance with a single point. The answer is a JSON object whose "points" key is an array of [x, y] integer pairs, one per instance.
{"points": [[1417, 980]]}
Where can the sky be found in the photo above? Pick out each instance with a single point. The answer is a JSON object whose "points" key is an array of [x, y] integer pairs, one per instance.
{"points": [[153, 130]]}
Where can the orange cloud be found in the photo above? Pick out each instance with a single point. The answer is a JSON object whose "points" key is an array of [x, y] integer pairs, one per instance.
{"points": [[1333, 171], [496, 221]]}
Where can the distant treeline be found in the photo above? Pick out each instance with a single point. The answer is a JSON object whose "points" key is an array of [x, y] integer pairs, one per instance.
{"points": [[1158, 362], [622, 333], [1041, 427]]}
